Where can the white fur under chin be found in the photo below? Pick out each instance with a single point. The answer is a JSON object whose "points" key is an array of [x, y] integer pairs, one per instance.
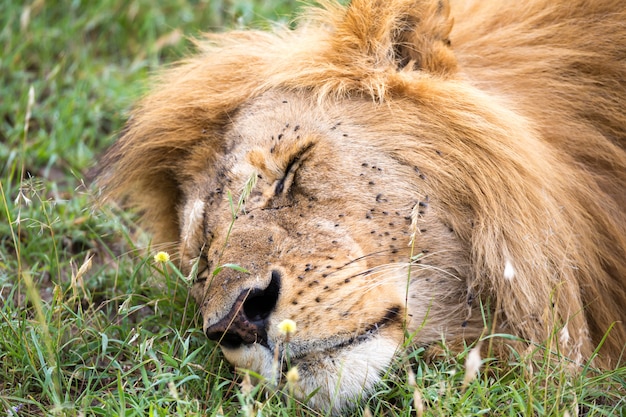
{"points": [[340, 377], [252, 357]]}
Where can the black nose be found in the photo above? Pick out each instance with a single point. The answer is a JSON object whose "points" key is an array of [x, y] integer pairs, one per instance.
{"points": [[246, 323]]}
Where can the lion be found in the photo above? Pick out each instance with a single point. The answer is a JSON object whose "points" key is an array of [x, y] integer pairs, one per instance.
{"points": [[393, 169]]}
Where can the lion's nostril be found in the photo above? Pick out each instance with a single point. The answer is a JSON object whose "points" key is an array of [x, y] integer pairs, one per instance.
{"points": [[259, 304], [247, 320]]}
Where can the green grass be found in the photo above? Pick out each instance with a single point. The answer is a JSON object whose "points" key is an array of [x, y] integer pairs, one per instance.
{"points": [[89, 323]]}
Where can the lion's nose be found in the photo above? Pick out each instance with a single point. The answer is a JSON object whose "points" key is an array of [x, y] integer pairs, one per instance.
{"points": [[246, 323]]}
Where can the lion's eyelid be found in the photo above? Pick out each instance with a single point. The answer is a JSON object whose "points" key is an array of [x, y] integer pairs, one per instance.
{"points": [[295, 162]]}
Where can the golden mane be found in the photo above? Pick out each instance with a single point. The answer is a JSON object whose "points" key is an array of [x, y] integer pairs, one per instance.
{"points": [[525, 99]]}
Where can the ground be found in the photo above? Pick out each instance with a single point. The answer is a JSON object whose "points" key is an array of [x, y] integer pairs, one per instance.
{"points": [[91, 324]]}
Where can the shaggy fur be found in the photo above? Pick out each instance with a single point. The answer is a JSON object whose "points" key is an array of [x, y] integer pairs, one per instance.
{"points": [[495, 131]]}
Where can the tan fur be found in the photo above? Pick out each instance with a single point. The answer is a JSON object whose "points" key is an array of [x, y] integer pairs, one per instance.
{"points": [[497, 142]]}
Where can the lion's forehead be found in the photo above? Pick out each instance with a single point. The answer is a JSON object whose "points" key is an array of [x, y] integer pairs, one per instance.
{"points": [[340, 144]]}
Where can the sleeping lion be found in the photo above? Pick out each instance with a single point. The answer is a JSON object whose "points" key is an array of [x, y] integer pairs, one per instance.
{"points": [[389, 170]]}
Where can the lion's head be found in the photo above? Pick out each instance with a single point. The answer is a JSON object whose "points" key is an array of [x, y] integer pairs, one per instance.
{"points": [[377, 174]]}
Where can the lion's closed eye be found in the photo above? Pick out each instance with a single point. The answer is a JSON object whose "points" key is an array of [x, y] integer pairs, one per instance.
{"points": [[295, 161]]}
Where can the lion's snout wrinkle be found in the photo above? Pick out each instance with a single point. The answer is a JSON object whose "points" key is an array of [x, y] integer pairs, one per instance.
{"points": [[246, 322]]}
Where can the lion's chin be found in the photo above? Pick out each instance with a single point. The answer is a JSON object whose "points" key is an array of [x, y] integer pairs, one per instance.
{"points": [[338, 377]]}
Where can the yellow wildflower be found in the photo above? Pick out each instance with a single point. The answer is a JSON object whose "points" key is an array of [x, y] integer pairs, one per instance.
{"points": [[162, 257], [287, 327], [292, 375]]}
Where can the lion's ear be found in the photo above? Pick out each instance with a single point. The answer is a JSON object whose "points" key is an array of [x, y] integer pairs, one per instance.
{"points": [[407, 34]]}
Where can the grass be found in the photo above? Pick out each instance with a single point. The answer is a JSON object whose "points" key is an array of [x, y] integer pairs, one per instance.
{"points": [[90, 324]]}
